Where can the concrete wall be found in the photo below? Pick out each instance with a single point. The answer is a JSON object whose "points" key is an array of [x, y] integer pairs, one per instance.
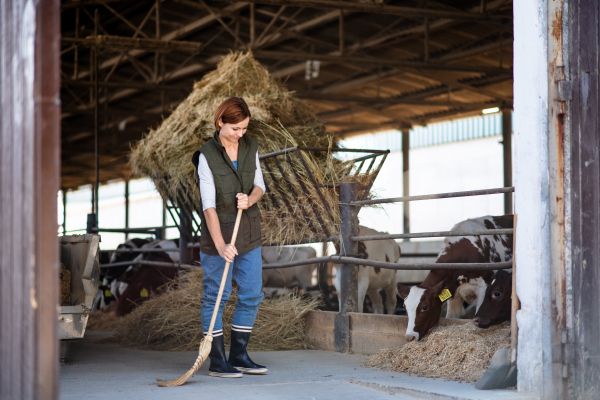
{"points": [[531, 179]]}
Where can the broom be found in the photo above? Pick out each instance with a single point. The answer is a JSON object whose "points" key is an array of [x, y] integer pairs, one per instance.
{"points": [[206, 343]]}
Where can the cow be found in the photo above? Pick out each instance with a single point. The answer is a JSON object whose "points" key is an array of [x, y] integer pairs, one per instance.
{"points": [[285, 277], [136, 284], [423, 303], [372, 279], [496, 305], [110, 288]]}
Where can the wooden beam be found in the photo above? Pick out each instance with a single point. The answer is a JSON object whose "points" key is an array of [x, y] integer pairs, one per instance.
{"points": [[373, 8], [390, 101]]}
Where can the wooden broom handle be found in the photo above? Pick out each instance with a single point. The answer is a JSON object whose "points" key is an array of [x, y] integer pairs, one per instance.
{"points": [[225, 272]]}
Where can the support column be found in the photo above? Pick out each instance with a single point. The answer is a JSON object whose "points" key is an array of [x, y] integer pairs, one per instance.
{"points": [[406, 178], [348, 273], [185, 253], [127, 208], [507, 154], [64, 200]]}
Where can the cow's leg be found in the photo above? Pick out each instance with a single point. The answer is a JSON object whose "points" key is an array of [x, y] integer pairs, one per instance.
{"points": [[363, 285], [390, 298], [455, 306], [376, 300]]}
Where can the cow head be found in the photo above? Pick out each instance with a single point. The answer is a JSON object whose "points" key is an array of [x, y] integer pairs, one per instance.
{"points": [[495, 308], [423, 307]]}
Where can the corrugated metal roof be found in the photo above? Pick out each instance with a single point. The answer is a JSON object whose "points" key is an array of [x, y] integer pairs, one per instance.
{"points": [[431, 135]]}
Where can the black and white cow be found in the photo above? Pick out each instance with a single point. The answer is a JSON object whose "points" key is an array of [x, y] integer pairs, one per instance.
{"points": [[423, 303], [373, 279]]}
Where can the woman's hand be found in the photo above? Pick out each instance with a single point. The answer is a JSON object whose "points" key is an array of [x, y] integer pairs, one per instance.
{"points": [[228, 252], [243, 202]]}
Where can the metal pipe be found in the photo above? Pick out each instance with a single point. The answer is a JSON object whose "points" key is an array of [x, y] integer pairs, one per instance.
{"points": [[96, 135], [406, 179], [507, 157], [488, 232], [434, 196], [64, 201], [148, 263], [149, 230], [337, 259], [141, 250]]}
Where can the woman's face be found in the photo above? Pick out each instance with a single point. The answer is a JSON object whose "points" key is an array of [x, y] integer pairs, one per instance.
{"points": [[233, 132]]}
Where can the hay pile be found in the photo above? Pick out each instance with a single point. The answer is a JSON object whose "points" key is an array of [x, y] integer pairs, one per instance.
{"points": [[65, 286], [457, 353], [279, 120], [171, 321]]}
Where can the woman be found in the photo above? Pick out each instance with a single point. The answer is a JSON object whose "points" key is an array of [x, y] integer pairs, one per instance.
{"points": [[231, 179]]}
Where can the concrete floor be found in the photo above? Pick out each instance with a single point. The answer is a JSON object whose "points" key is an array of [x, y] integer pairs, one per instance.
{"points": [[105, 371]]}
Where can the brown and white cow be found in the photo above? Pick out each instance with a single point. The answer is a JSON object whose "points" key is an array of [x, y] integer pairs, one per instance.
{"points": [[372, 279], [300, 275], [496, 305], [423, 303]]}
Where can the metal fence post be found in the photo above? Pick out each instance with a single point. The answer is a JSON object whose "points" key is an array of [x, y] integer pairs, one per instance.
{"points": [[348, 273], [185, 232]]}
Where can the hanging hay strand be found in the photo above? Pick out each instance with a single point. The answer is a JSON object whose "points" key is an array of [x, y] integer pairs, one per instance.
{"points": [[279, 120], [457, 352], [171, 320]]}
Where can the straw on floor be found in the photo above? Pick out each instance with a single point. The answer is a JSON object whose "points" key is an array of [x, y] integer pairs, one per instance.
{"points": [[457, 352], [279, 121], [171, 320]]}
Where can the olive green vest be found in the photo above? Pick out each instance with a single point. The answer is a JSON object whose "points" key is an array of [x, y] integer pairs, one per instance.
{"points": [[228, 183]]}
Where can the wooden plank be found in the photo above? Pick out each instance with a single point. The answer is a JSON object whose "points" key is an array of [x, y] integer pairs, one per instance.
{"points": [[319, 329], [586, 198]]}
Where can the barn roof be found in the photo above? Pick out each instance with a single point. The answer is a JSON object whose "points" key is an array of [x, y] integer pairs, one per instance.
{"points": [[364, 66]]}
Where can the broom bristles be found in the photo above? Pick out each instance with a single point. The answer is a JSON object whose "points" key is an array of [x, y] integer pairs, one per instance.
{"points": [[203, 352]]}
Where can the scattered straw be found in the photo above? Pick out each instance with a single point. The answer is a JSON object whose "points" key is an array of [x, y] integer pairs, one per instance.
{"points": [[279, 120], [171, 321], [457, 352], [65, 286]]}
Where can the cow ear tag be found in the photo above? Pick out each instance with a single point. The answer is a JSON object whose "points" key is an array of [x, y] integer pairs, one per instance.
{"points": [[445, 295], [144, 292]]}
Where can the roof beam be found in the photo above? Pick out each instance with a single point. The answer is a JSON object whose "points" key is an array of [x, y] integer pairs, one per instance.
{"points": [[128, 43], [390, 101], [406, 12], [279, 55]]}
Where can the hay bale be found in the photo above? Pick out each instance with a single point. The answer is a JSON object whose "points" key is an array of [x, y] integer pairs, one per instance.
{"points": [[457, 353], [65, 286], [279, 120], [171, 321]]}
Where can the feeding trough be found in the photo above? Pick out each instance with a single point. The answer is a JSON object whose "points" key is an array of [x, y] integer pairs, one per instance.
{"points": [[79, 254]]}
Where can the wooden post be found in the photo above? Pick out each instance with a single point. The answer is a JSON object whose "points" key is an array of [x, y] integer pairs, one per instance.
{"points": [[185, 232], [406, 178], [507, 153], [348, 273]]}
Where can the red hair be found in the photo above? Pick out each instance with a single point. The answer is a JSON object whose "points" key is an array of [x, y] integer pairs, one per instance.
{"points": [[231, 111]]}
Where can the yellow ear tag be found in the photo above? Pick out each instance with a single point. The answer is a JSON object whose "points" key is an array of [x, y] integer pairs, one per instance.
{"points": [[143, 292], [107, 293], [445, 295], [405, 298]]}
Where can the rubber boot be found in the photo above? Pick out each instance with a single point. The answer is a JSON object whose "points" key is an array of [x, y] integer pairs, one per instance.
{"points": [[219, 366], [238, 356]]}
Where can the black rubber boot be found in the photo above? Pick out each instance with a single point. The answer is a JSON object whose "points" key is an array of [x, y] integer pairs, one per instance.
{"points": [[219, 366], [238, 357]]}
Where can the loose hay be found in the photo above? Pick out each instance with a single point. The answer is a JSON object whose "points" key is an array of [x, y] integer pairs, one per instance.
{"points": [[171, 321], [457, 352], [279, 120], [104, 320]]}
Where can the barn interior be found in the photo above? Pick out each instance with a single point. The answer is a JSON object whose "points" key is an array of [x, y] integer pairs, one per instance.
{"points": [[364, 66]]}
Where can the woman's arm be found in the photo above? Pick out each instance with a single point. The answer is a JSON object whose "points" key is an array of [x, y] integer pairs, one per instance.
{"points": [[245, 202]]}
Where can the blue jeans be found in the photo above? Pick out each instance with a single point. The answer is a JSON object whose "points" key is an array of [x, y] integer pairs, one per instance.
{"points": [[246, 269]]}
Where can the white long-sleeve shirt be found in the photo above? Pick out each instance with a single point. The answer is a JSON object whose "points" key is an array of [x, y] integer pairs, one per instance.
{"points": [[207, 182]]}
